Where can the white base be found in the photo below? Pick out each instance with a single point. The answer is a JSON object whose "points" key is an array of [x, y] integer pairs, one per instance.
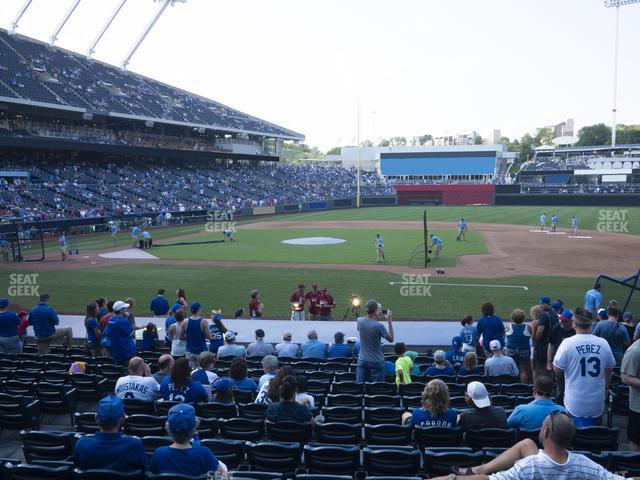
{"points": [[131, 253], [538, 231], [579, 236], [556, 233]]}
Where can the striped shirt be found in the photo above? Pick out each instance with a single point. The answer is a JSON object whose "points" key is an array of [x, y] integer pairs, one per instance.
{"points": [[541, 467]]}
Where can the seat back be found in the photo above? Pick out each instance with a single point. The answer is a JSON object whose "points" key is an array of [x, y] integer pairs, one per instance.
{"points": [[273, 456], [40, 445], [478, 438], [142, 425], [106, 474], [151, 442], [389, 461], [338, 433], [133, 406], [85, 422], [380, 415], [18, 412], [344, 400], [412, 389], [332, 459], [382, 400], [387, 434], [25, 471], [596, 439], [255, 411], [289, 431], [380, 388], [242, 429], [229, 452], [351, 388], [438, 436], [342, 414], [438, 461], [216, 410]]}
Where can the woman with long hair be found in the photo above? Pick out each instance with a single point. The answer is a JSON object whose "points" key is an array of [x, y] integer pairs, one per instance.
{"points": [[178, 345], [179, 387], [92, 326], [469, 365], [181, 298], [270, 390], [435, 410], [287, 409], [238, 375], [536, 313]]}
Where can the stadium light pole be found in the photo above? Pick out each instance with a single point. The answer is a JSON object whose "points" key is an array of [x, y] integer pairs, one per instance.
{"points": [[617, 4], [21, 12], [358, 157]]}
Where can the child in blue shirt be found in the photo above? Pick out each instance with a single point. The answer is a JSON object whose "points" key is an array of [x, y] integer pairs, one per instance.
{"points": [[181, 457], [149, 338]]}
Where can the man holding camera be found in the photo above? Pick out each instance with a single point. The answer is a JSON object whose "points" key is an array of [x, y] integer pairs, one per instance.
{"points": [[371, 331]]}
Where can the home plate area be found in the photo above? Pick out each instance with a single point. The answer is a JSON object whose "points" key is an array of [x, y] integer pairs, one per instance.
{"points": [[129, 254]]}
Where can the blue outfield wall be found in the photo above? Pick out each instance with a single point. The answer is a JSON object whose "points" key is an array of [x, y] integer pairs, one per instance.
{"points": [[440, 165]]}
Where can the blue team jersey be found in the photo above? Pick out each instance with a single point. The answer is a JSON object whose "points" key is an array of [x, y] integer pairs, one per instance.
{"points": [[554, 219], [574, 222], [217, 337], [135, 231], [379, 242], [469, 335], [436, 240], [462, 225], [543, 218], [592, 300]]}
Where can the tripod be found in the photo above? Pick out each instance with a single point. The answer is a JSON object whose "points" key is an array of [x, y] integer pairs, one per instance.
{"points": [[354, 311]]}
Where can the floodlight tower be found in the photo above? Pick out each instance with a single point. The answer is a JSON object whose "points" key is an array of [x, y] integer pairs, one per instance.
{"points": [[617, 4]]}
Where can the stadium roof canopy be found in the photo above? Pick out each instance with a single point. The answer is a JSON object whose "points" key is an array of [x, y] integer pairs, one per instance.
{"points": [[593, 148], [36, 74]]}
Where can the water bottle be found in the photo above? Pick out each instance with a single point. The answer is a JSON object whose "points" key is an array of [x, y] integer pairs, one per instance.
{"points": [[196, 440]]}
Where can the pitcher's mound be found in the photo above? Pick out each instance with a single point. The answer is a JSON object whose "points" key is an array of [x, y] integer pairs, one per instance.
{"points": [[131, 253], [314, 241]]}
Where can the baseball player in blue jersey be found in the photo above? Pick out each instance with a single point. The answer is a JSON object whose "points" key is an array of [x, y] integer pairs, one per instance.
{"points": [[543, 221], [436, 245], [62, 243], [228, 233], [574, 226], [462, 230], [554, 222], [113, 226], [379, 243], [135, 231]]}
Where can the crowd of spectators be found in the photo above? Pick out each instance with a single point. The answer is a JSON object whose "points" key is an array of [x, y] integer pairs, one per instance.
{"points": [[66, 188], [566, 356]]}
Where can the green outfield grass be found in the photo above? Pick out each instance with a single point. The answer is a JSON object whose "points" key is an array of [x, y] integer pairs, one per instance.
{"points": [[229, 288], [588, 217], [266, 246]]}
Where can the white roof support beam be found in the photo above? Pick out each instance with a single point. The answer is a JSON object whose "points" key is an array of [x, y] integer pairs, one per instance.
{"points": [[56, 32], [103, 30], [21, 12]]}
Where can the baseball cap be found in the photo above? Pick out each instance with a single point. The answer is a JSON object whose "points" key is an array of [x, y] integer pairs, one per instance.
{"points": [[176, 307], [259, 333], [110, 409], [545, 300], [456, 341], [120, 305], [495, 345], [612, 303], [556, 305], [287, 336], [324, 289], [230, 336], [439, 356], [182, 418], [195, 306], [627, 316], [223, 385], [301, 285], [567, 314], [602, 313], [478, 394], [4, 302]]}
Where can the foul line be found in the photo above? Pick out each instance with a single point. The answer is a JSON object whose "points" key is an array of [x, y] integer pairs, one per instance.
{"points": [[523, 287]]}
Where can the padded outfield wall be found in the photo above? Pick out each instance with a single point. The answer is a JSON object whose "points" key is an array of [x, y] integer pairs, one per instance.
{"points": [[445, 194]]}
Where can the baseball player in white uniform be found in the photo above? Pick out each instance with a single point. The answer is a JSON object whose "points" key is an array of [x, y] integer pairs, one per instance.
{"points": [[379, 242], [543, 220], [462, 230], [574, 226]]}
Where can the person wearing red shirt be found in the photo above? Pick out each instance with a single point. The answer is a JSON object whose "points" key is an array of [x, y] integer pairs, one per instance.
{"points": [[255, 305], [297, 300], [313, 297], [325, 304]]}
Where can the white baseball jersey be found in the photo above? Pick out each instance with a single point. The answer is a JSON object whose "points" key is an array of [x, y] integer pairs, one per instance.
{"points": [[584, 359]]}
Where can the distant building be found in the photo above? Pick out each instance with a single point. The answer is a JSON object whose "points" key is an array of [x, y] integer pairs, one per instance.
{"points": [[564, 129]]}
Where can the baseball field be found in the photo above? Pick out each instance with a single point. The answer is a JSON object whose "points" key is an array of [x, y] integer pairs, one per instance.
{"points": [[505, 259]]}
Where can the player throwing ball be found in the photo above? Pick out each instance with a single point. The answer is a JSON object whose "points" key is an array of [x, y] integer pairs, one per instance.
{"points": [[554, 222], [379, 243], [228, 233], [436, 245], [462, 230]]}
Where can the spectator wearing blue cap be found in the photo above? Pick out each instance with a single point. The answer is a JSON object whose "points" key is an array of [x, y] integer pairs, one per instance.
{"points": [[490, 326], [182, 458], [121, 334], [518, 336], [171, 319], [456, 355], [9, 323], [109, 448], [45, 323], [196, 330], [224, 391], [547, 320], [231, 348], [159, 304], [180, 387]]}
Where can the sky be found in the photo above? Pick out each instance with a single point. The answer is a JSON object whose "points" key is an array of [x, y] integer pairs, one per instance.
{"points": [[414, 66]]}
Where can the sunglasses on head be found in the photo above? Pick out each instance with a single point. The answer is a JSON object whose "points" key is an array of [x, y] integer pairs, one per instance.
{"points": [[555, 414]]}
